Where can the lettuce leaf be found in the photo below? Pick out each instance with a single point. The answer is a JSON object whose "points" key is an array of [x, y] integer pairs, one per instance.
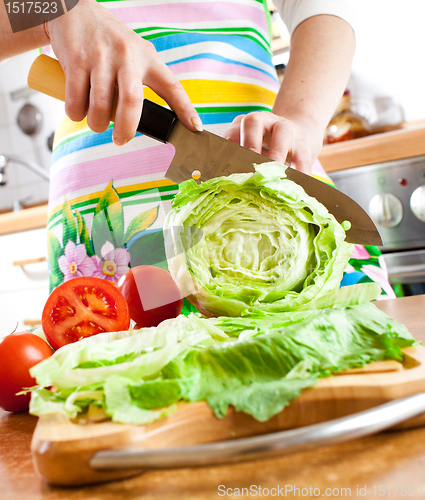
{"points": [[134, 354], [258, 364], [261, 375]]}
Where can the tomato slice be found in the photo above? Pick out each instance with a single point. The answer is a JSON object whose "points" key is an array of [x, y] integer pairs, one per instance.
{"points": [[82, 307]]}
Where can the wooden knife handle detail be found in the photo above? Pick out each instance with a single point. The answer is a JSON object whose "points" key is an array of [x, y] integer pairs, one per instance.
{"points": [[46, 76]]}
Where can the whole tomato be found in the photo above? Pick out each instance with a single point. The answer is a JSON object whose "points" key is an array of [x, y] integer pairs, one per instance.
{"points": [[152, 295], [18, 353]]}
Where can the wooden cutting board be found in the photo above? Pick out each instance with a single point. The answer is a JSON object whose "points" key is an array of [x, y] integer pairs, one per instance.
{"points": [[62, 449]]}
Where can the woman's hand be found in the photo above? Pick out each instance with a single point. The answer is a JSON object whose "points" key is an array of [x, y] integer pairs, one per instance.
{"points": [[277, 137], [97, 52], [311, 89]]}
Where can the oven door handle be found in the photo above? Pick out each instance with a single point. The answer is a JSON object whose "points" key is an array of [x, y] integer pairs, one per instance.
{"points": [[407, 271]]}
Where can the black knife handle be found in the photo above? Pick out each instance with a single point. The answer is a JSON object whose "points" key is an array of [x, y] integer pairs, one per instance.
{"points": [[156, 121]]}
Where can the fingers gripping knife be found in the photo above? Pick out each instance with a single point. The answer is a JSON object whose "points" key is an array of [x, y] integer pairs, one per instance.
{"points": [[211, 155]]}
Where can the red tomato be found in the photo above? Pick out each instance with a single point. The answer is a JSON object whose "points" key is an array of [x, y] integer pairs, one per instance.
{"points": [[82, 307], [151, 294], [18, 353]]}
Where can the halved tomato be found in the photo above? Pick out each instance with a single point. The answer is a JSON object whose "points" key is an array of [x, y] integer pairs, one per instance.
{"points": [[82, 307], [151, 294]]}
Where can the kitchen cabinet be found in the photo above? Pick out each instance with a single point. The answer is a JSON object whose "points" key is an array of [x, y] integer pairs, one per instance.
{"points": [[24, 283]]}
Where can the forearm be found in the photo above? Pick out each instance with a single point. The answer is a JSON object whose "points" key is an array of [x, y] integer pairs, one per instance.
{"points": [[12, 44], [322, 49]]}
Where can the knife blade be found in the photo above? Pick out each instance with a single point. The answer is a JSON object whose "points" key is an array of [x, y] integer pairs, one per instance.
{"points": [[203, 155]]}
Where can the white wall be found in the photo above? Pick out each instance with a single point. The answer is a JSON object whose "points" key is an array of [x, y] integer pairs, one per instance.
{"points": [[388, 64], [389, 60], [22, 183]]}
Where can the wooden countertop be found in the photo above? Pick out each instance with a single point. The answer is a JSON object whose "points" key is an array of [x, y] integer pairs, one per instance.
{"points": [[405, 142], [30, 218], [389, 458]]}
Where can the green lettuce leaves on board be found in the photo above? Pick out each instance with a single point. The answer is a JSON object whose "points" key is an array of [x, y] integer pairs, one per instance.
{"points": [[257, 364], [266, 245], [136, 354]]}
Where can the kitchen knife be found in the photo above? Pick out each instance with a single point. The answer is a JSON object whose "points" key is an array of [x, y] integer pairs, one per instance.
{"points": [[203, 155], [310, 437]]}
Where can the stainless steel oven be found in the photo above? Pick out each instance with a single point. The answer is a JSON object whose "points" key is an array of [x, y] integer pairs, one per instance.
{"points": [[393, 193]]}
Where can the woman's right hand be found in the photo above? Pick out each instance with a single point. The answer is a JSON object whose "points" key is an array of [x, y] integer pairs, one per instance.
{"points": [[97, 52]]}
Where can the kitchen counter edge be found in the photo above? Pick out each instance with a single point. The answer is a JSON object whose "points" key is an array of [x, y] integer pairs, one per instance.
{"points": [[24, 220]]}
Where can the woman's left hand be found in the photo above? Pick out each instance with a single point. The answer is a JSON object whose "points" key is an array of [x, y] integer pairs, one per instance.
{"points": [[277, 137]]}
